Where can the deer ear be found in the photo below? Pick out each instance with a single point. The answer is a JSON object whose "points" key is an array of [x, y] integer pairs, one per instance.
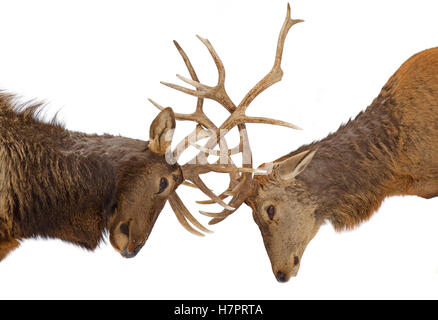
{"points": [[293, 166], [161, 131]]}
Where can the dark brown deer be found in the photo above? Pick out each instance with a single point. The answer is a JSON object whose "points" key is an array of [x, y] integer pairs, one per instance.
{"points": [[56, 183], [389, 149]]}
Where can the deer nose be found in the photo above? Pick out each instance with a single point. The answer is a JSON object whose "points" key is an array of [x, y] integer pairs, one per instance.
{"points": [[137, 249], [127, 254], [281, 277]]}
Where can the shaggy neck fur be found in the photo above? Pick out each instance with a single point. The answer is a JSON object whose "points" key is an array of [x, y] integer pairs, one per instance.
{"points": [[389, 149], [54, 182], [354, 168]]}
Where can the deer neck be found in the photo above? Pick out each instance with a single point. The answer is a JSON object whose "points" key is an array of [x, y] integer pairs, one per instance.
{"points": [[113, 148], [354, 168], [93, 163]]}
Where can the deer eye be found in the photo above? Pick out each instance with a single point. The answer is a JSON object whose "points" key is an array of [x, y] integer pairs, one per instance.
{"points": [[271, 212], [163, 184]]}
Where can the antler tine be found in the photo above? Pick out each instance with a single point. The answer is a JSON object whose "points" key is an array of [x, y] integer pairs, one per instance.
{"points": [[222, 196], [194, 177], [273, 76], [189, 184], [198, 134], [238, 116], [217, 93], [219, 65], [182, 214], [196, 116], [199, 115], [276, 73], [220, 87], [241, 192], [241, 184], [217, 153], [229, 192]]}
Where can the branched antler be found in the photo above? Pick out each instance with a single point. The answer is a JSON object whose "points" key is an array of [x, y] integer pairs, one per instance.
{"points": [[240, 186]]}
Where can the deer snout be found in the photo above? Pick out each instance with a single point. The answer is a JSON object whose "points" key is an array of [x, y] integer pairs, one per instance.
{"points": [[133, 248], [131, 254], [126, 239], [284, 273], [281, 277]]}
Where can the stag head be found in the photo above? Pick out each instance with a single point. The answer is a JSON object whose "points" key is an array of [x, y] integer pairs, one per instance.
{"points": [[284, 210], [145, 182]]}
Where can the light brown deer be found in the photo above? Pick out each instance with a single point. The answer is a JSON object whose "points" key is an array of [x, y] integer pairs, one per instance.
{"points": [[388, 149]]}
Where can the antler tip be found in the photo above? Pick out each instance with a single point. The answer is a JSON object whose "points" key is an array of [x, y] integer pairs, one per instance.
{"points": [[201, 38], [293, 126], [159, 107], [214, 221], [208, 214]]}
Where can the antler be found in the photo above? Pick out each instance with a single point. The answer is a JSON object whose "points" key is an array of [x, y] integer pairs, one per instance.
{"points": [[199, 133], [243, 188], [240, 186]]}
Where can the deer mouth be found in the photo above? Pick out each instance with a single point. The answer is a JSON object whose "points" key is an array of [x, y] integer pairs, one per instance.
{"points": [[283, 276], [131, 254]]}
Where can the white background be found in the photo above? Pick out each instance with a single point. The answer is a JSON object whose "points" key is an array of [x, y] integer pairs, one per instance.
{"points": [[98, 61]]}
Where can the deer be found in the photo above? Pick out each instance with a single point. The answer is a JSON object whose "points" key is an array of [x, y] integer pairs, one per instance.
{"points": [[342, 179], [77, 187], [386, 150]]}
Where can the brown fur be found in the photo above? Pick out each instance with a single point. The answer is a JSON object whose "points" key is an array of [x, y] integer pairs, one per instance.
{"points": [[389, 149], [55, 183]]}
